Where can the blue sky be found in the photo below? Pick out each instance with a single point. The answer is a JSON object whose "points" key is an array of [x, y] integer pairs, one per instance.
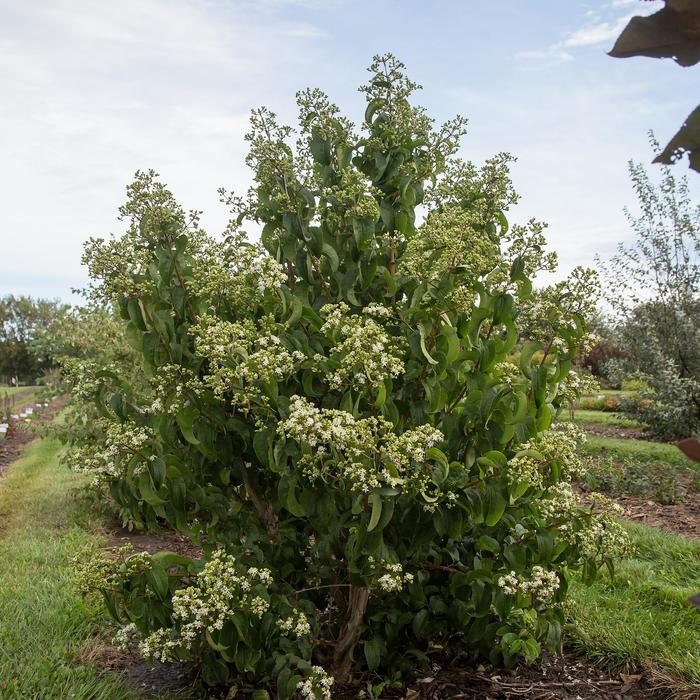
{"points": [[93, 91]]}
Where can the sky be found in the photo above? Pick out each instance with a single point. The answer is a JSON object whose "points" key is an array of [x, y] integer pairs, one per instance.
{"points": [[93, 91]]}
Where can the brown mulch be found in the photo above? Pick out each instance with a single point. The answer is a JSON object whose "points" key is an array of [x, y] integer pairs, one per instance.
{"points": [[682, 518], [555, 678], [145, 678], [166, 541], [21, 434], [614, 431]]}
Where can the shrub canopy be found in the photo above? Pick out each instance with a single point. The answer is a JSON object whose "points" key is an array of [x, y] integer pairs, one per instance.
{"points": [[345, 416]]}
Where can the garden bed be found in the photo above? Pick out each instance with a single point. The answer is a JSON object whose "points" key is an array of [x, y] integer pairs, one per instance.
{"points": [[19, 435], [682, 517], [613, 430], [556, 678]]}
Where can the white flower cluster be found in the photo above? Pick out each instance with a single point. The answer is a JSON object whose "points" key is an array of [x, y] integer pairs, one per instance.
{"points": [[235, 272], [394, 578], [364, 352], [297, 623], [221, 590], [377, 310], [173, 386], [317, 686], [604, 537], [508, 372], [542, 584], [533, 464], [243, 356], [123, 443], [108, 571], [126, 636], [81, 375], [559, 502], [365, 452], [525, 469], [575, 385]]}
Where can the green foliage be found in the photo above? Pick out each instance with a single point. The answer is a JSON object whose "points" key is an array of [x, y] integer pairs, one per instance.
{"points": [[654, 287], [22, 319], [334, 415], [582, 415], [657, 479]]}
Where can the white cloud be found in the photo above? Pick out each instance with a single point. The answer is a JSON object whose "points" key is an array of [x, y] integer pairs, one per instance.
{"points": [[552, 56], [596, 33], [94, 91]]}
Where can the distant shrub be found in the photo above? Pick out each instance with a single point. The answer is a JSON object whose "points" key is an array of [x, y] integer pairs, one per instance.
{"points": [[655, 479]]}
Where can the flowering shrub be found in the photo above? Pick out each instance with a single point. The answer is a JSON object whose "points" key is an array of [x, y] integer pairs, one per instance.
{"points": [[335, 415]]}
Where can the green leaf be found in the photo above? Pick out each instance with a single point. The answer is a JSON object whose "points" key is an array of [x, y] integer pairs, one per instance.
{"points": [[424, 349], [157, 578], [496, 507], [297, 308], [488, 544], [373, 649], [372, 108], [293, 505], [330, 252], [529, 349], [381, 395], [376, 501]]}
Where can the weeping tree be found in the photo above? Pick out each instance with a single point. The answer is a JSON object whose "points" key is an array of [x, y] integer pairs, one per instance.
{"points": [[346, 418]]}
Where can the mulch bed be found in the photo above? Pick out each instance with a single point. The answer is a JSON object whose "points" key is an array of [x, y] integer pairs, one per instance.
{"points": [[614, 431], [21, 434], [555, 678], [682, 518], [150, 542]]}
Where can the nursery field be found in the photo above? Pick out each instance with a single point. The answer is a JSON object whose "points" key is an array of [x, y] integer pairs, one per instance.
{"points": [[634, 633]]}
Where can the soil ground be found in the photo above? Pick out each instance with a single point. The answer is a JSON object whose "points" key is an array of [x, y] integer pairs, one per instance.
{"points": [[682, 517], [21, 434], [614, 431]]}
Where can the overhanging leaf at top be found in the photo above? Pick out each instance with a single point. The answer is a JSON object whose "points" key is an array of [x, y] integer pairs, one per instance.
{"points": [[686, 139], [672, 32]]}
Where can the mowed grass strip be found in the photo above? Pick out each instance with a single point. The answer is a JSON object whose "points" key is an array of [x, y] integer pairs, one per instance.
{"points": [[12, 390], [43, 618], [626, 448], [642, 619], [583, 415]]}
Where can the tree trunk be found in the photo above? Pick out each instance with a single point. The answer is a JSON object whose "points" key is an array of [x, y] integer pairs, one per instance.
{"points": [[342, 655]]}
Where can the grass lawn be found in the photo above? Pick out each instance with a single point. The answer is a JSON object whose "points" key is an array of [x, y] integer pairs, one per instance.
{"points": [[22, 395], [625, 448], [582, 415], [610, 392], [12, 390], [643, 618], [44, 620]]}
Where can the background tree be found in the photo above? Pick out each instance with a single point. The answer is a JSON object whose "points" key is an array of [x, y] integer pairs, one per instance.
{"points": [[22, 319], [654, 290]]}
